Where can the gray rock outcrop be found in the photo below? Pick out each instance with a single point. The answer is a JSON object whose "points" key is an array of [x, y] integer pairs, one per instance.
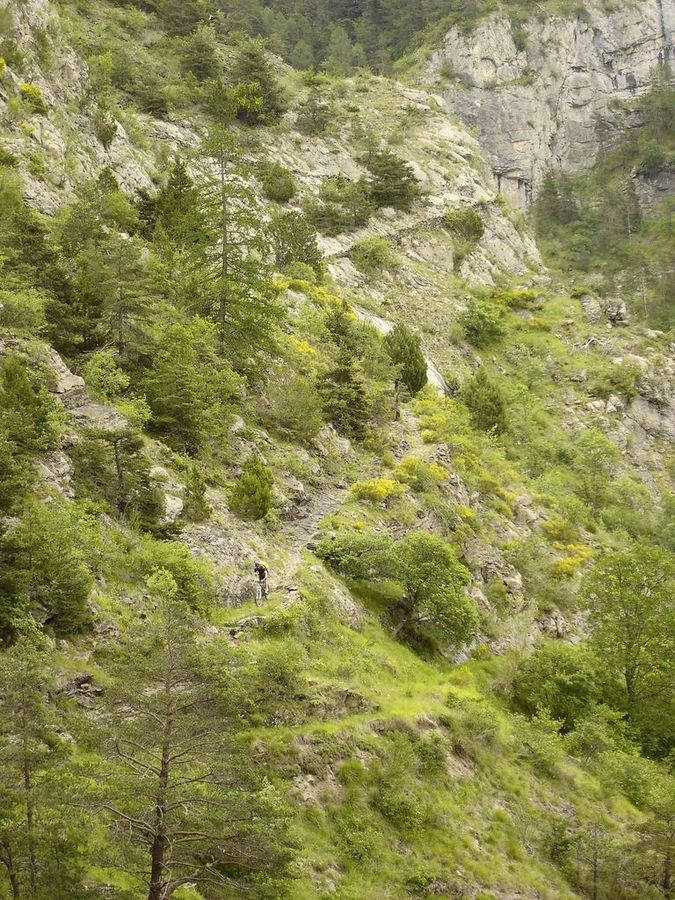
{"points": [[550, 93]]}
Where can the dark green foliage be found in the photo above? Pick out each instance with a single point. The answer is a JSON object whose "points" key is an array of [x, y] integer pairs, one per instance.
{"points": [[392, 181], [199, 53], [43, 837], [341, 36], [294, 241], [278, 183], [485, 402], [193, 577], [42, 570], [482, 321], [405, 349], [191, 391], [251, 496], [426, 568], [165, 703], [252, 68], [29, 414], [180, 17], [559, 677], [372, 254], [29, 425], [467, 227], [465, 222], [111, 466], [105, 127], [314, 115], [291, 404], [176, 212], [342, 205], [195, 505], [343, 393]]}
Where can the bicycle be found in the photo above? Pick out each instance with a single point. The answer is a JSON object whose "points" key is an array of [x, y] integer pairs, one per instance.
{"points": [[261, 591]]}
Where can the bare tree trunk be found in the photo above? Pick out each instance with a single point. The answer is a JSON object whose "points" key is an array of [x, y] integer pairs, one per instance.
{"points": [[7, 858], [159, 843], [667, 876], [225, 259], [120, 476], [30, 821]]}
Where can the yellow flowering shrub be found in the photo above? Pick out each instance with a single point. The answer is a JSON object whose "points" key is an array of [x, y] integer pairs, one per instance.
{"points": [[378, 490]]}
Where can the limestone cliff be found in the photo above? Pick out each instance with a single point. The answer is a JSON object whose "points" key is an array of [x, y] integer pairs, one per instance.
{"points": [[551, 92]]}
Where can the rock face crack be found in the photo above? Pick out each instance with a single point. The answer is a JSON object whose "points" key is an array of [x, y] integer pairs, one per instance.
{"points": [[583, 67]]}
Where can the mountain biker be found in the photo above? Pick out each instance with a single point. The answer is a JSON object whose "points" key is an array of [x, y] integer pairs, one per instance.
{"points": [[262, 587]]}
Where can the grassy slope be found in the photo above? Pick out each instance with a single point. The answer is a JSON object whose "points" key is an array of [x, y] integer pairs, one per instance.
{"points": [[476, 814]]}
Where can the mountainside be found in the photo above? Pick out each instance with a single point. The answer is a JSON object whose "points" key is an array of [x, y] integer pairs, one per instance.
{"points": [[552, 92], [258, 318]]}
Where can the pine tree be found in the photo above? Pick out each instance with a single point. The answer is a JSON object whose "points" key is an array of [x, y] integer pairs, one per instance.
{"points": [[405, 349], [485, 402], [241, 302], [42, 834], [42, 569], [110, 465], [343, 392], [251, 497], [294, 240], [111, 284], [392, 181], [180, 17], [173, 791], [30, 416], [252, 68], [314, 115]]}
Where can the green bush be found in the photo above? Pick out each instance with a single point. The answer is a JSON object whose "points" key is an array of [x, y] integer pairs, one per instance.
{"points": [[482, 321], [252, 70], [193, 575], [560, 677], [32, 97], [370, 254], [8, 159], [485, 402], [105, 127], [23, 311], [251, 496], [405, 351], [465, 222], [467, 228], [46, 569], [294, 240], [342, 205], [199, 53], [278, 183], [314, 115]]}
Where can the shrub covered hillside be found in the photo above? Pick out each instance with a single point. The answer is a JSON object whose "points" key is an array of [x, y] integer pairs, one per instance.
{"points": [[256, 315]]}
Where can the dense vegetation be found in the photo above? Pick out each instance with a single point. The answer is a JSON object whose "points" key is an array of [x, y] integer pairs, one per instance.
{"points": [[392, 722]]}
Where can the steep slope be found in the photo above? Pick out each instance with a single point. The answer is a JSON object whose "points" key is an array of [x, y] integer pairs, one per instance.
{"points": [[387, 760]]}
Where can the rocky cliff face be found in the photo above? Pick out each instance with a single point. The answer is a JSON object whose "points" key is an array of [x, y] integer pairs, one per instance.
{"points": [[551, 92]]}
